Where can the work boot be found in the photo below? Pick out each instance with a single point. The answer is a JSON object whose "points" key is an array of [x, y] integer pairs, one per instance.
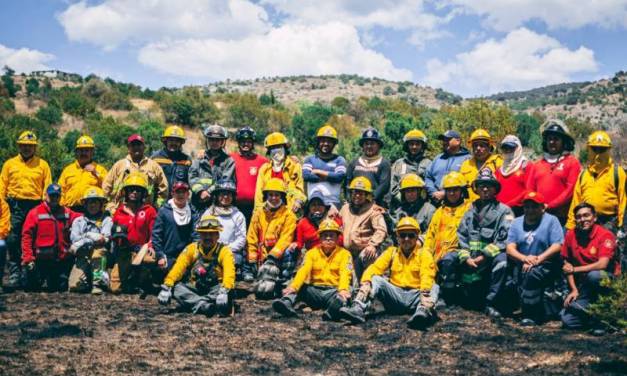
{"points": [[355, 313], [527, 322], [203, 308], [284, 307], [15, 277], [420, 318], [96, 290], [492, 312]]}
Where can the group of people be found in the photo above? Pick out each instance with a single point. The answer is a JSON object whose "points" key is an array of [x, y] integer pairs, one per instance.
{"points": [[482, 227]]}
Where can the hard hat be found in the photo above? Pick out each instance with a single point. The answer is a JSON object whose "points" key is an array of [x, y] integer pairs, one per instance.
{"points": [[558, 127], [53, 189], [361, 183], [135, 179], [275, 139], [415, 135], [412, 181], [454, 179], [327, 131], [225, 185], [329, 225], [486, 176], [407, 223], [174, 131], [208, 223], [85, 142], [370, 133], [27, 138], [215, 131], [246, 133], [600, 139], [275, 185], [480, 135], [94, 193]]}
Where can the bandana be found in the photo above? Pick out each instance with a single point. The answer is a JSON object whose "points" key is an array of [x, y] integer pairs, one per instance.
{"points": [[598, 161], [512, 161], [182, 216], [277, 155]]}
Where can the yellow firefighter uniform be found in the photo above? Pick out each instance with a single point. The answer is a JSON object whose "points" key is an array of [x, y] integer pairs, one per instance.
{"points": [[441, 236], [225, 268], [270, 232], [25, 180], [292, 176], [414, 272], [318, 269], [470, 170], [74, 181], [5, 219]]}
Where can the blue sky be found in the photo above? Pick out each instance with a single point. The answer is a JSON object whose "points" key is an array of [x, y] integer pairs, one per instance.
{"points": [[469, 47]]}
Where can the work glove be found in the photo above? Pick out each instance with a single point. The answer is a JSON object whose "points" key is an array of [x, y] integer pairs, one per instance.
{"points": [[222, 300], [30, 266], [426, 300], [620, 235], [165, 295]]}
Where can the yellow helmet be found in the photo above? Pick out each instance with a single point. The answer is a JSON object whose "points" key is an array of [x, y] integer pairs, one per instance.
{"points": [[600, 139], [135, 179], [480, 134], [415, 135], [275, 139], [174, 131], [274, 185], [85, 142], [412, 181], [329, 225], [327, 131], [94, 193], [407, 223], [208, 223], [454, 179], [360, 183], [27, 138]]}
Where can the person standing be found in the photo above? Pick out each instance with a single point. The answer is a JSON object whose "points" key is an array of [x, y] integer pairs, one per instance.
{"points": [[372, 165], [174, 163], [482, 147], [451, 159], [513, 175], [247, 166], [414, 161]]}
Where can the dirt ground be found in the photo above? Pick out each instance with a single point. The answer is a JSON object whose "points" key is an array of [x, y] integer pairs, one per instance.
{"points": [[71, 334]]}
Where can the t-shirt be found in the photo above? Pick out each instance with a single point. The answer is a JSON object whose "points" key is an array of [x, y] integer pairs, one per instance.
{"points": [[601, 243], [246, 170], [534, 241]]}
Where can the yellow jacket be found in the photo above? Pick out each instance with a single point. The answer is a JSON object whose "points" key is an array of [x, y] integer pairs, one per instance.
{"points": [[225, 268], [601, 193], [25, 180], [5, 219], [414, 272], [319, 269], [74, 181], [157, 182], [470, 171], [441, 236], [292, 176], [270, 232]]}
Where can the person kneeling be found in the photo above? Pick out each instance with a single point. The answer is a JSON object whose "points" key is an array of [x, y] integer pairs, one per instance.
{"points": [[211, 269], [411, 286], [328, 268]]}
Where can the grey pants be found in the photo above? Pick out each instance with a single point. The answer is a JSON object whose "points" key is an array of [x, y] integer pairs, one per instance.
{"points": [[398, 300], [319, 297], [187, 296]]}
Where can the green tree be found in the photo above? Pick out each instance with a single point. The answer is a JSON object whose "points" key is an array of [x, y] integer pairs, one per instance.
{"points": [[306, 123], [387, 91], [32, 86], [528, 131], [50, 113], [7, 108], [8, 83], [247, 110], [341, 103]]}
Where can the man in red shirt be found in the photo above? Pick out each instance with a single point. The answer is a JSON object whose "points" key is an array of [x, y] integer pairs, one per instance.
{"points": [[247, 164], [555, 175], [134, 252], [588, 254], [45, 241]]}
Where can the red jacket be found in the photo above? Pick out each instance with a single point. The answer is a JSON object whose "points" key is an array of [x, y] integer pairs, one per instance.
{"points": [[514, 186], [307, 233], [46, 236], [246, 170], [556, 181], [139, 224]]}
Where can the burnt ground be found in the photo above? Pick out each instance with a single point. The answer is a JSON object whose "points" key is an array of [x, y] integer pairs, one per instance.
{"points": [[50, 334]]}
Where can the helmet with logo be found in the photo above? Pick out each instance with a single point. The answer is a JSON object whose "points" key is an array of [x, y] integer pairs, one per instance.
{"points": [[275, 139], [454, 179], [329, 225], [360, 183], [371, 134], [85, 142], [600, 139], [559, 128], [415, 135], [135, 179], [208, 223], [411, 181], [486, 176], [407, 224], [27, 138], [246, 133], [480, 135], [94, 193], [215, 131], [174, 131], [327, 131]]}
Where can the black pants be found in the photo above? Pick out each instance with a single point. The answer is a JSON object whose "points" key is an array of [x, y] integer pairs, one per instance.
{"points": [[19, 209], [531, 287], [53, 274]]}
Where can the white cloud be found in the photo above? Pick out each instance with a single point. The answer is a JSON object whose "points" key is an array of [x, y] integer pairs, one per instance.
{"points": [[24, 60], [117, 21], [520, 61], [505, 15], [330, 48]]}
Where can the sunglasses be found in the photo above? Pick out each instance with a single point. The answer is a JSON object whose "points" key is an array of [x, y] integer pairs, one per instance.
{"points": [[407, 235]]}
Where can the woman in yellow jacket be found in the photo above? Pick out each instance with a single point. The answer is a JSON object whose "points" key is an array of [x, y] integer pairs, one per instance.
{"points": [[482, 147], [323, 281], [411, 286]]}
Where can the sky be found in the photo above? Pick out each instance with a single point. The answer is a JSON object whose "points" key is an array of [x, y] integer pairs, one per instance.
{"points": [[468, 47]]}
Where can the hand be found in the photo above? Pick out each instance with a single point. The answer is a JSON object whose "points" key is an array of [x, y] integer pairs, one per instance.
{"points": [[296, 206], [204, 196], [568, 268], [222, 300], [288, 291], [571, 298], [439, 195], [530, 260], [369, 253], [471, 262], [527, 267], [291, 247], [426, 300], [344, 295], [162, 263], [30, 266], [90, 168], [165, 295]]}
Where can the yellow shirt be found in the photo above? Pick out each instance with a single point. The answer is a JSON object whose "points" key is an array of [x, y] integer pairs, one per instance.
{"points": [[470, 171], [601, 193], [74, 181], [225, 268], [292, 176], [441, 236], [25, 180], [414, 272], [319, 269], [270, 232]]}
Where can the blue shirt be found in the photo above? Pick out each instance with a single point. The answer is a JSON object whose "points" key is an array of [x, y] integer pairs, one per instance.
{"points": [[331, 187], [536, 241], [442, 165]]}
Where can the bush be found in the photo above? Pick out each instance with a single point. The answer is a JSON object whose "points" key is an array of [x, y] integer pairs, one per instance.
{"points": [[188, 107], [611, 308], [305, 125], [247, 110], [51, 113]]}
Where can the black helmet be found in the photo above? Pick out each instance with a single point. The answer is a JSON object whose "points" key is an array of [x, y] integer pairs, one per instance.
{"points": [[370, 133], [246, 133], [486, 176], [557, 127], [215, 131], [225, 185]]}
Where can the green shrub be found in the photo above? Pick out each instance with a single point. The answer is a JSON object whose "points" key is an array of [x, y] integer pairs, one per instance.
{"points": [[612, 307]]}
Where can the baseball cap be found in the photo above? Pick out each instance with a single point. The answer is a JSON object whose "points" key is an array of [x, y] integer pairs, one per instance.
{"points": [[135, 137], [53, 189], [180, 185], [449, 134], [536, 197]]}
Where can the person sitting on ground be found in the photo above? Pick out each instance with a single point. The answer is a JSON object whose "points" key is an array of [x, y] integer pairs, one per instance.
{"points": [[414, 162], [513, 174], [410, 287], [372, 166], [209, 268], [413, 202], [323, 281]]}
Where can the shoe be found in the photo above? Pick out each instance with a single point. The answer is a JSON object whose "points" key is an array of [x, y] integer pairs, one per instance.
{"points": [[493, 313], [419, 319], [284, 307], [527, 322], [248, 277], [354, 314], [440, 304], [96, 291], [203, 308], [598, 332]]}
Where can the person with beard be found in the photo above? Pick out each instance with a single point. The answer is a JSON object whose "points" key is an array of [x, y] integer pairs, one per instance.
{"points": [[555, 175], [283, 167], [233, 223], [414, 202], [601, 184], [174, 163], [324, 172], [482, 147], [364, 224], [247, 166], [482, 236], [414, 162], [372, 165], [23, 183], [513, 175], [317, 209], [451, 159], [213, 166], [589, 255], [77, 177]]}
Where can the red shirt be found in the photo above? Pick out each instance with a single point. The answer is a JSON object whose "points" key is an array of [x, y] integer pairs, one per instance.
{"points": [[514, 186], [556, 181], [246, 170], [307, 233], [44, 230], [601, 243], [139, 224]]}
